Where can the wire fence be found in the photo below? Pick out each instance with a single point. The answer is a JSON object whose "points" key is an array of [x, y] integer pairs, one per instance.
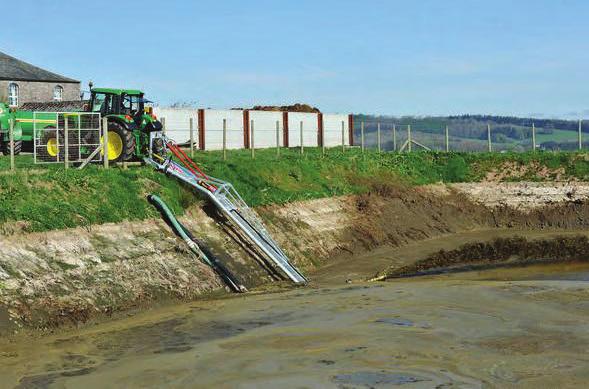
{"points": [[407, 136], [64, 138]]}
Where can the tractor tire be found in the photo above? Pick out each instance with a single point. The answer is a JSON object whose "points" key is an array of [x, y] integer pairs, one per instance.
{"points": [[121, 143], [17, 147], [47, 150], [5, 147]]}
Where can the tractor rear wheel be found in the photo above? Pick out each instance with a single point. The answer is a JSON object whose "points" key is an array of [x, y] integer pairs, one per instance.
{"points": [[121, 143]]}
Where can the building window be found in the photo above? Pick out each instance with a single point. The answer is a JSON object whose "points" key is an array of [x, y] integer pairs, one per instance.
{"points": [[13, 94], [58, 93]]}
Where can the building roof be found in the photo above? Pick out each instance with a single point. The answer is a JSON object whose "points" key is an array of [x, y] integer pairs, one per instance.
{"points": [[13, 69]]}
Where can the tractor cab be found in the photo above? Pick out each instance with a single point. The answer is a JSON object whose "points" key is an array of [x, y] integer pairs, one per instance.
{"points": [[108, 101]]}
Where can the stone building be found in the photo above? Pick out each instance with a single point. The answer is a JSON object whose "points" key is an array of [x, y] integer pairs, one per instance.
{"points": [[21, 83]]}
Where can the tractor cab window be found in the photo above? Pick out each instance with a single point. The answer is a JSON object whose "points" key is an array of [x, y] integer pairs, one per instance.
{"points": [[131, 105], [100, 103]]}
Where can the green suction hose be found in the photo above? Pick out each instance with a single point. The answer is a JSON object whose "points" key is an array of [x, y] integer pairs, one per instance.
{"points": [[194, 244]]}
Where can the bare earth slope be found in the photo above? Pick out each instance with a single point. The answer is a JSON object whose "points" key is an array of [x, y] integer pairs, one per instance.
{"points": [[70, 276]]}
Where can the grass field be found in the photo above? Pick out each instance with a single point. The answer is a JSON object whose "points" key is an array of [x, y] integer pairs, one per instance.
{"points": [[557, 136], [43, 198]]}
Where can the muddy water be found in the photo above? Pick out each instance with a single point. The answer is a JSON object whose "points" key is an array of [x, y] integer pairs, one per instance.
{"points": [[471, 330]]}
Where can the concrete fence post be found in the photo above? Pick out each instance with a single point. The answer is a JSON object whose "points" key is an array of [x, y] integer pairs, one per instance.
{"points": [[447, 139], [533, 136], [362, 136], [66, 142], [191, 126], [278, 138], [378, 136], [580, 134], [489, 144], [302, 140], [252, 144], [224, 139], [343, 136], [105, 141], [11, 143], [394, 137]]}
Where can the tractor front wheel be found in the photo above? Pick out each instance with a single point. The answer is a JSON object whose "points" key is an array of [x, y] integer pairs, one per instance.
{"points": [[121, 143]]}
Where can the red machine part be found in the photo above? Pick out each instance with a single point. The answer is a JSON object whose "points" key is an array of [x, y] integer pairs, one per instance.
{"points": [[190, 165]]}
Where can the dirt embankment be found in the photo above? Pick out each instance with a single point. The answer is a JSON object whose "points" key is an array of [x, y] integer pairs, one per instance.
{"points": [[513, 251], [74, 275]]}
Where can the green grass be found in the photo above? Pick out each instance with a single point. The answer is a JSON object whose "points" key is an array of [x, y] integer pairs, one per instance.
{"points": [[557, 136], [47, 198]]}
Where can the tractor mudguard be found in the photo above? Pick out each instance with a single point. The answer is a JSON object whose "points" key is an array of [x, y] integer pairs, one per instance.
{"points": [[5, 136], [128, 125]]}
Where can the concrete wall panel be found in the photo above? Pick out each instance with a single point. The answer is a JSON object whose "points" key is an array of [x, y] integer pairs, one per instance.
{"points": [[265, 128], [214, 129], [310, 129], [178, 123], [332, 130]]}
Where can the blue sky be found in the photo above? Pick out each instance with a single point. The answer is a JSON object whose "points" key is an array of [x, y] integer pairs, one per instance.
{"points": [[423, 57]]}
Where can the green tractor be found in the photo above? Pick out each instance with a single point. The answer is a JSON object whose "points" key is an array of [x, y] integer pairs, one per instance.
{"points": [[130, 123], [132, 127]]}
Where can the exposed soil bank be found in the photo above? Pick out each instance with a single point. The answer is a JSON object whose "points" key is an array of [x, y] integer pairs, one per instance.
{"points": [[71, 276], [511, 251]]}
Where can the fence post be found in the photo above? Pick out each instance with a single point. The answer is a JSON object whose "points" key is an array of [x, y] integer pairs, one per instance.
{"points": [[409, 141], [343, 136], [278, 138], [323, 143], [362, 135], [105, 141], [489, 138], [533, 136], [224, 139], [11, 143], [447, 140], [302, 144], [252, 144], [378, 136], [66, 142], [191, 122], [164, 130], [394, 137], [580, 134]]}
